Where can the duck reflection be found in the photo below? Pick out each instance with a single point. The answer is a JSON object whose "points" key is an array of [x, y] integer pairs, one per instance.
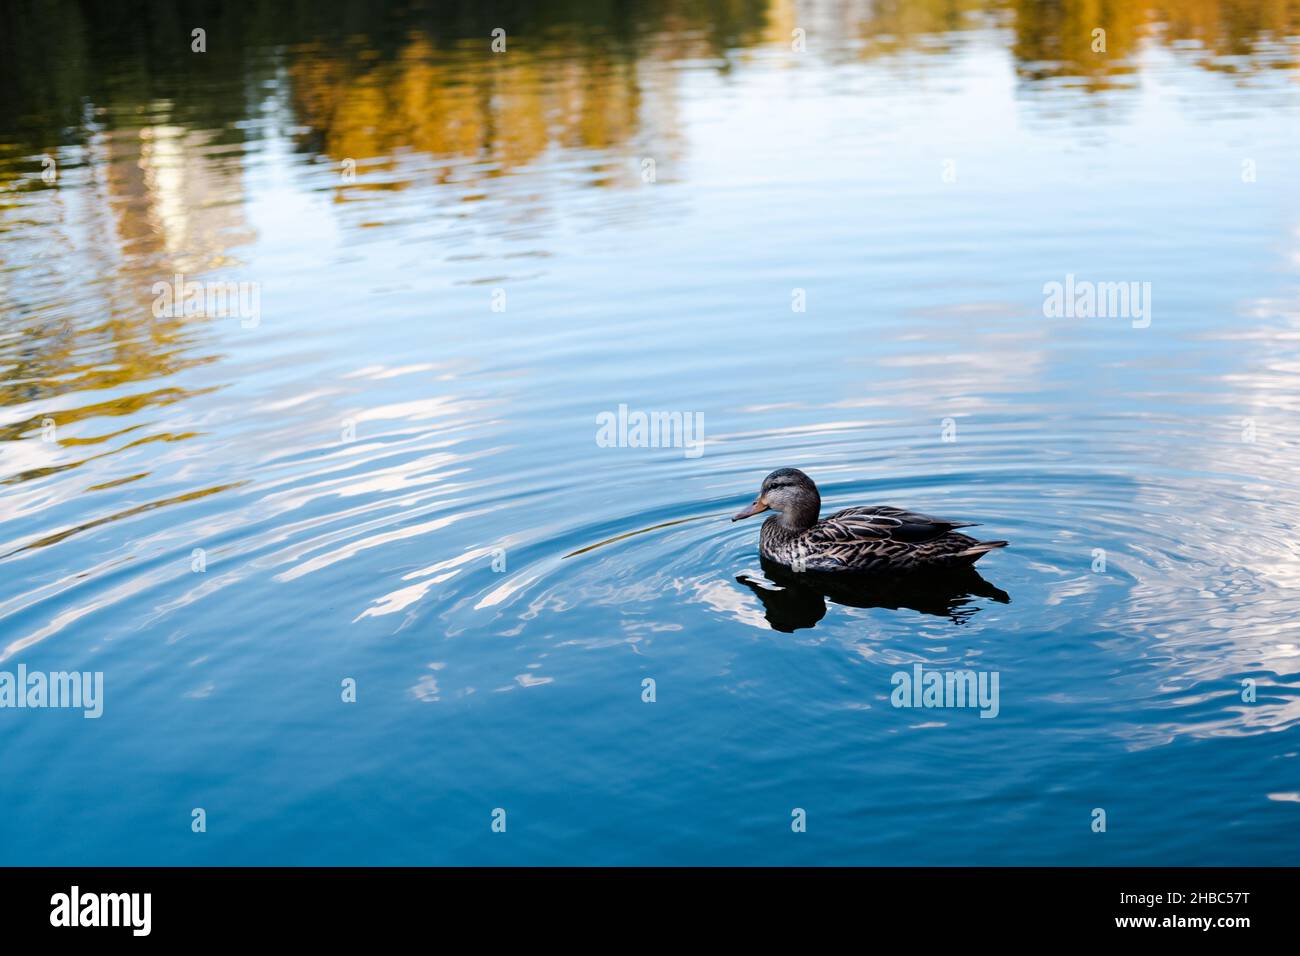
{"points": [[792, 601]]}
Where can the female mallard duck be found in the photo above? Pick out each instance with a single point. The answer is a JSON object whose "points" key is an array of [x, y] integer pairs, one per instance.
{"points": [[856, 539]]}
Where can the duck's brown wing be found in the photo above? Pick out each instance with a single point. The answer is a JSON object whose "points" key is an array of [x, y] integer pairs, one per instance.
{"points": [[883, 524], [859, 539]]}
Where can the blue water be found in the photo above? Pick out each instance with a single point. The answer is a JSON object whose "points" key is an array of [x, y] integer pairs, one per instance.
{"points": [[391, 473]]}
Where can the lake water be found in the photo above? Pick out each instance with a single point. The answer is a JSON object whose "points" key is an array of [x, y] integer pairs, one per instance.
{"points": [[825, 230]]}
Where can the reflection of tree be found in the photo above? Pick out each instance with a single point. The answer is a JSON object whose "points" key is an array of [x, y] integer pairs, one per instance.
{"points": [[504, 110], [366, 73], [570, 78], [1232, 27], [161, 132], [144, 191], [889, 26], [58, 56], [65, 65], [1056, 39]]}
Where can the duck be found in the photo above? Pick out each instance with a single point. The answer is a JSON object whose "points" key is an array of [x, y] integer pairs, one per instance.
{"points": [[856, 540]]}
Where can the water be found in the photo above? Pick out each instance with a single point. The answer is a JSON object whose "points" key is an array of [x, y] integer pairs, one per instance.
{"points": [[390, 473]]}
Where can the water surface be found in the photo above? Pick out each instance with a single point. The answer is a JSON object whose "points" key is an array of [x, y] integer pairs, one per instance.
{"points": [[463, 258]]}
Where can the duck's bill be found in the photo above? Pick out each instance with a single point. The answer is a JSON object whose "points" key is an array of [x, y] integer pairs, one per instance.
{"points": [[752, 510]]}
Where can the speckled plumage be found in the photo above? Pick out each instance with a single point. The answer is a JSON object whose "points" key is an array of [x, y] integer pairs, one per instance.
{"points": [[863, 540]]}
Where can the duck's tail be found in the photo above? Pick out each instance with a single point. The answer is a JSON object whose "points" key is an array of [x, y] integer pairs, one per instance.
{"points": [[979, 549]]}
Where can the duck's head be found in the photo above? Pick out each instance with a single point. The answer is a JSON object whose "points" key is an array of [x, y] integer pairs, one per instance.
{"points": [[792, 495]]}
